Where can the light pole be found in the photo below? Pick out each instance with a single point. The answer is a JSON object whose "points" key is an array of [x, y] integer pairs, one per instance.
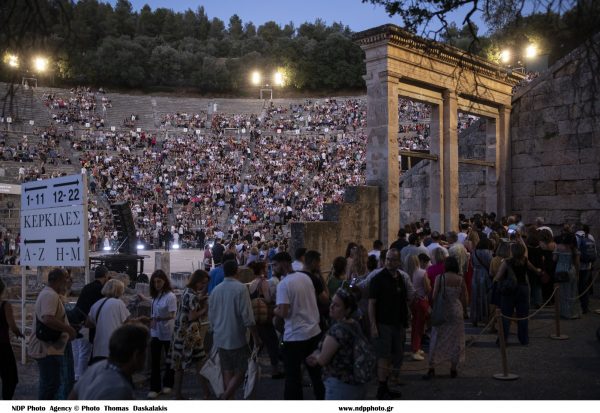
{"points": [[257, 80], [529, 60]]}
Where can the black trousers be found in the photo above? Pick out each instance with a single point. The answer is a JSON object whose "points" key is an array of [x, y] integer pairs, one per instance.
{"points": [[8, 371], [294, 354], [156, 348]]}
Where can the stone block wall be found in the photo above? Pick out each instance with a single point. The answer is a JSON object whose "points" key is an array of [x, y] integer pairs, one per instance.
{"points": [[555, 134], [355, 220]]}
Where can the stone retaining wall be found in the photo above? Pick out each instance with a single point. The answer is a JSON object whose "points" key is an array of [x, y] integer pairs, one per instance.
{"points": [[555, 134], [355, 220]]}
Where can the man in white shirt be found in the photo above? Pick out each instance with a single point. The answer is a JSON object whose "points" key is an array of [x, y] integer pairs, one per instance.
{"points": [[297, 305], [462, 235], [435, 237], [298, 263], [376, 251]]}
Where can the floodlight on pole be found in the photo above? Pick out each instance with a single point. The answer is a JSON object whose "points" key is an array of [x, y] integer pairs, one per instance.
{"points": [[40, 64], [505, 56], [278, 78], [256, 78], [531, 51], [12, 60]]}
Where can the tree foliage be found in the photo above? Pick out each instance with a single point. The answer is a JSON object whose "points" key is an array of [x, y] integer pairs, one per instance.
{"points": [[93, 42]]}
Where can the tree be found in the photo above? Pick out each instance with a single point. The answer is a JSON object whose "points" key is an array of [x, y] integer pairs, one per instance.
{"points": [[165, 65], [249, 30], [235, 29], [124, 18], [217, 29], [120, 61], [269, 31]]}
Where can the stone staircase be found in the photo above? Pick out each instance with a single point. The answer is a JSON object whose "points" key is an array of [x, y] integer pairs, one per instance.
{"points": [[123, 106], [26, 105]]}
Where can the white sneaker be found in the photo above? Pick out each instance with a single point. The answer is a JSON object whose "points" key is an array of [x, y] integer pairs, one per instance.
{"points": [[152, 395], [417, 357], [166, 390], [421, 352]]}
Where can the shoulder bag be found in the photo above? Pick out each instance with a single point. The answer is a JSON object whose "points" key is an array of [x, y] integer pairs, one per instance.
{"points": [[45, 333]]}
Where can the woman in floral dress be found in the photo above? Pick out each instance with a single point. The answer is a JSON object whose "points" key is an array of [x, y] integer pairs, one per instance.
{"points": [[448, 339], [187, 347]]}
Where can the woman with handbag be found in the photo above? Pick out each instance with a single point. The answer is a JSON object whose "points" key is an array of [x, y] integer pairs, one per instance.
{"points": [[106, 315], [514, 290], [448, 332], [566, 256], [187, 346]]}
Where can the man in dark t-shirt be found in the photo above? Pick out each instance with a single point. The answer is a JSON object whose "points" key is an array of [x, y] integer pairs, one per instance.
{"points": [[312, 267], [401, 242], [388, 316], [217, 252]]}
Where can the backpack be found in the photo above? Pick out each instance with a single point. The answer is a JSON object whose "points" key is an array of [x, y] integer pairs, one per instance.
{"points": [[587, 248], [365, 361]]}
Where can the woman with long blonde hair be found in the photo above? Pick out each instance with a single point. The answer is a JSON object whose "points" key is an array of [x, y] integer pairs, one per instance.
{"points": [[358, 266]]}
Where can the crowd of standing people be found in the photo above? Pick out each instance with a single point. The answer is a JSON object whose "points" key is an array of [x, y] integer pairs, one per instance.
{"points": [[347, 327]]}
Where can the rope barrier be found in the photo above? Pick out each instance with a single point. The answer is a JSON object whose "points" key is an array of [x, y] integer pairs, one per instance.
{"points": [[536, 312], [587, 289]]}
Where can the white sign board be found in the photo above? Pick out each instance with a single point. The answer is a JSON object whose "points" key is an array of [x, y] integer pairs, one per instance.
{"points": [[54, 222], [51, 193], [54, 237], [10, 189]]}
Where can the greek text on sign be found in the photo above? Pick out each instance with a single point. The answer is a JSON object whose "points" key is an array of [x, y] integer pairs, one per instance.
{"points": [[50, 193], [55, 236]]}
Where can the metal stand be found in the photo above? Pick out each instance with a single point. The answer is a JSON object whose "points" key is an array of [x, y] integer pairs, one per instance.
{"points": [[557, 336], [505, 375]]}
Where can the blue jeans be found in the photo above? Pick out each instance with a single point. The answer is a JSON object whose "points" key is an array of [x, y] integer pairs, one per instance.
{"points": [[519, 303], [335, 389], [50, 373]]}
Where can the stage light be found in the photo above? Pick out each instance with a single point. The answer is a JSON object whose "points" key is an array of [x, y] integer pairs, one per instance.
{"points": [[139, 247], [256, 78], [107, 248], [505, 56], [175, 246]]}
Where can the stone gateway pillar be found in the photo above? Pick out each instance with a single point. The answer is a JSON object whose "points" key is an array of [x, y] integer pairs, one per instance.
{"points": [[451, 80], [382, 149]]}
